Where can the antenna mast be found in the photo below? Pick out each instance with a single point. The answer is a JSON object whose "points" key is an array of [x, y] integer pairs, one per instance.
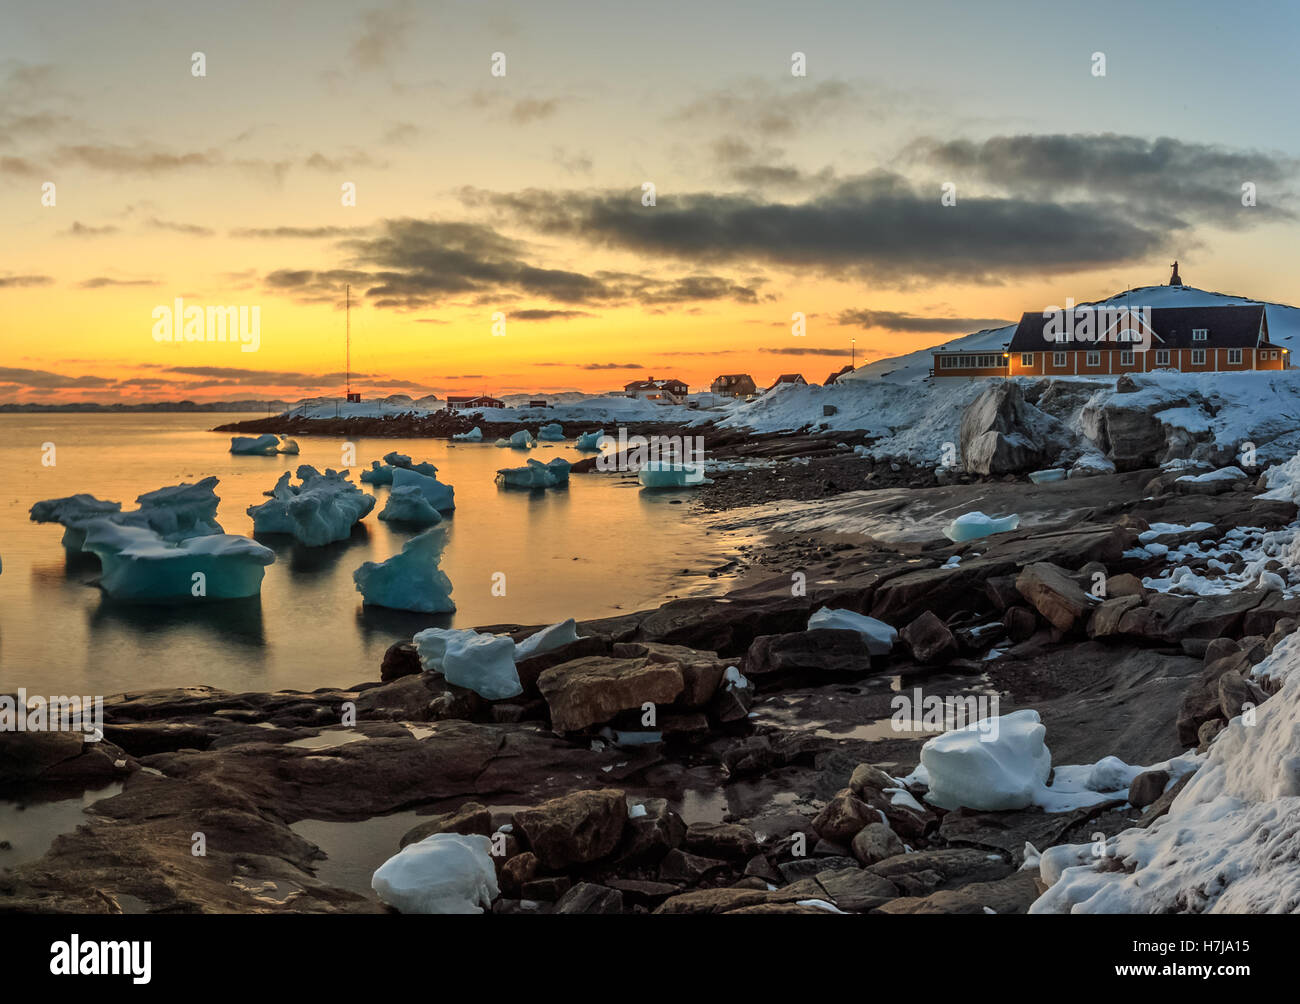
{"points": [[347, 294]]}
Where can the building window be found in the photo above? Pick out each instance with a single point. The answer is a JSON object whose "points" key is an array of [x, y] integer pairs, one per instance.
{"points": [[1126, 357], [1026, 359], [1058, 358], [945, 362], [1234, 357], [1094, 359], [1200, 334], [1198, 357], [1162, 357]]}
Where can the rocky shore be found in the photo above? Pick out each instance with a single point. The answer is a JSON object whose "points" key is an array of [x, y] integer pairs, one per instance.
{"points": [[778, 788]]}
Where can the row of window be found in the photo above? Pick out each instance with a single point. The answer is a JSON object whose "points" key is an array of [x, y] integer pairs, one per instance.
{"points": [[990, 360], [1062, 359]]}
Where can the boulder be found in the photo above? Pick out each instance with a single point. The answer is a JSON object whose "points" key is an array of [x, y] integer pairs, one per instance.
{"points": [[1053, 594], [1020, 623], [1106, 618], [648, 837], [842, 818], [1013, 894], [587, 897], [821, 650], [575, 828], [929, 639], [401, 659], [1147, 787], [594, 689], [997, 431], [470, 818], [721, 840], [876, 842], [856, 889]]}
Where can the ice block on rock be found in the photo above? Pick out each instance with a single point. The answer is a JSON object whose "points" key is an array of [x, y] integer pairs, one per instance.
{"points": [[548, 638], [878, 635], [483, 663], [443, 873], [973, 525], [990, 765], [410, 580]]}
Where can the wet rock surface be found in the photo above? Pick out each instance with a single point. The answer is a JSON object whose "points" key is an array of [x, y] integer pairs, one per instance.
{"points": [[753, 798]]}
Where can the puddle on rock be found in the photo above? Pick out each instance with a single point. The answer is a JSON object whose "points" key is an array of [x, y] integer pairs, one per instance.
{"points": [[29, 828]]}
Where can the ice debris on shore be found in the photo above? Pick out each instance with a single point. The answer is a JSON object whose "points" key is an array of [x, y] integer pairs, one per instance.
{"points": [[483, 663], [139, 564], [443, 873], [1002, 763], [176, 512], [441, 496], [590, 440], [410, 580], [382, 474], [1228, 843], [535, 474], [973, 525], [475, 435], [878, 635], [407, 504], [552, 432], [319, 511], [1047, 476]]}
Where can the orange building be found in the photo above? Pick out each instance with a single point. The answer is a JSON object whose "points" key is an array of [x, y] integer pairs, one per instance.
{"points": [[1100, 342]]}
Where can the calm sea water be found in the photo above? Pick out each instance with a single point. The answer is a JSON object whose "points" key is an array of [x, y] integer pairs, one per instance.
{"points": [[601, 547]]}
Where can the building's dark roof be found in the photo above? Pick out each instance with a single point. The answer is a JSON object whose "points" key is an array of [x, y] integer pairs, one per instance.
{"points": [[790, 378], [1232, 327], [846, 368]]}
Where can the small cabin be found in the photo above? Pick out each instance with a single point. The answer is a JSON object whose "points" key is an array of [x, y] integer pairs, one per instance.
{"points": [[461, 402], [739, 385], [790, 379]]}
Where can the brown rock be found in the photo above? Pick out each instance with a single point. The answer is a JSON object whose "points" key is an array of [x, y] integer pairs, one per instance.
{"points": [[1147, 787], [1105, 620], [401, 659], [1053, 594], [876, 842], [1020, 623], [593, 690], [822, 650], [721, 840], [469, 818], [929, 640], [574, 829], [517, 872], [842, 818]]}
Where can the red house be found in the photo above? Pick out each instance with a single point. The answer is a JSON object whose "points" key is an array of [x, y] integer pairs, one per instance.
{"points": [[460, 402]]}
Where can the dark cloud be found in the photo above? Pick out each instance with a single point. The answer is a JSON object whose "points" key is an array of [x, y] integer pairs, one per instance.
{"points": [[876, 226], [103, 281], [413, 264], [16, 281], [892, 320], [79, 229], [537, 314], [126, 159], [192, 229], [799, 350], [1160, 179], [18, 166], [47, 380], [294, 232], [532, 110], [385, 31], [763, 107]]}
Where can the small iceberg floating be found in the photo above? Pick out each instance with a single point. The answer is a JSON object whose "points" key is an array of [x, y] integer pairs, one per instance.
{"points": [[664, 475], [382, 474], [535, 474], [407, 504], [255, 446], [521, 440], [140, 565], [551, 433], [973, 525], [411, 580], [590, 440], [475, 435]]}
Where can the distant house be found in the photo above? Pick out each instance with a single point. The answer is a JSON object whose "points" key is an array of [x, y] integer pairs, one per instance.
{"points": [[788, 378], [1230, 339], [661, 391], [537, 402], [735, 385], [846, 368], [460, 402]]}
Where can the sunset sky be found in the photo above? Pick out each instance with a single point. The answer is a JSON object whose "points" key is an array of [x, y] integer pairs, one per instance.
{"points": [[522, 193]]}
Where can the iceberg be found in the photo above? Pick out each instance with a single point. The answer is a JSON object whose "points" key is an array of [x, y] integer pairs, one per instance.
{"points": [[382, 474], [521, 440], [989, 766], [177, 512], [321, 510], [288, 446], [535, 474], [547, 639], [139, 564], [658, 474], [443, 873], [973, 525], [1048, 476], [408, 505], [878, 635], [475, 435], [483, 663], [553, 432], [590, 440], [442, 497], [255, 446], [410, 580]]}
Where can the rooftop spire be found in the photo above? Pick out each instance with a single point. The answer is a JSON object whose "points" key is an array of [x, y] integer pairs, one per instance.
{"points": [[1175, 279]]}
